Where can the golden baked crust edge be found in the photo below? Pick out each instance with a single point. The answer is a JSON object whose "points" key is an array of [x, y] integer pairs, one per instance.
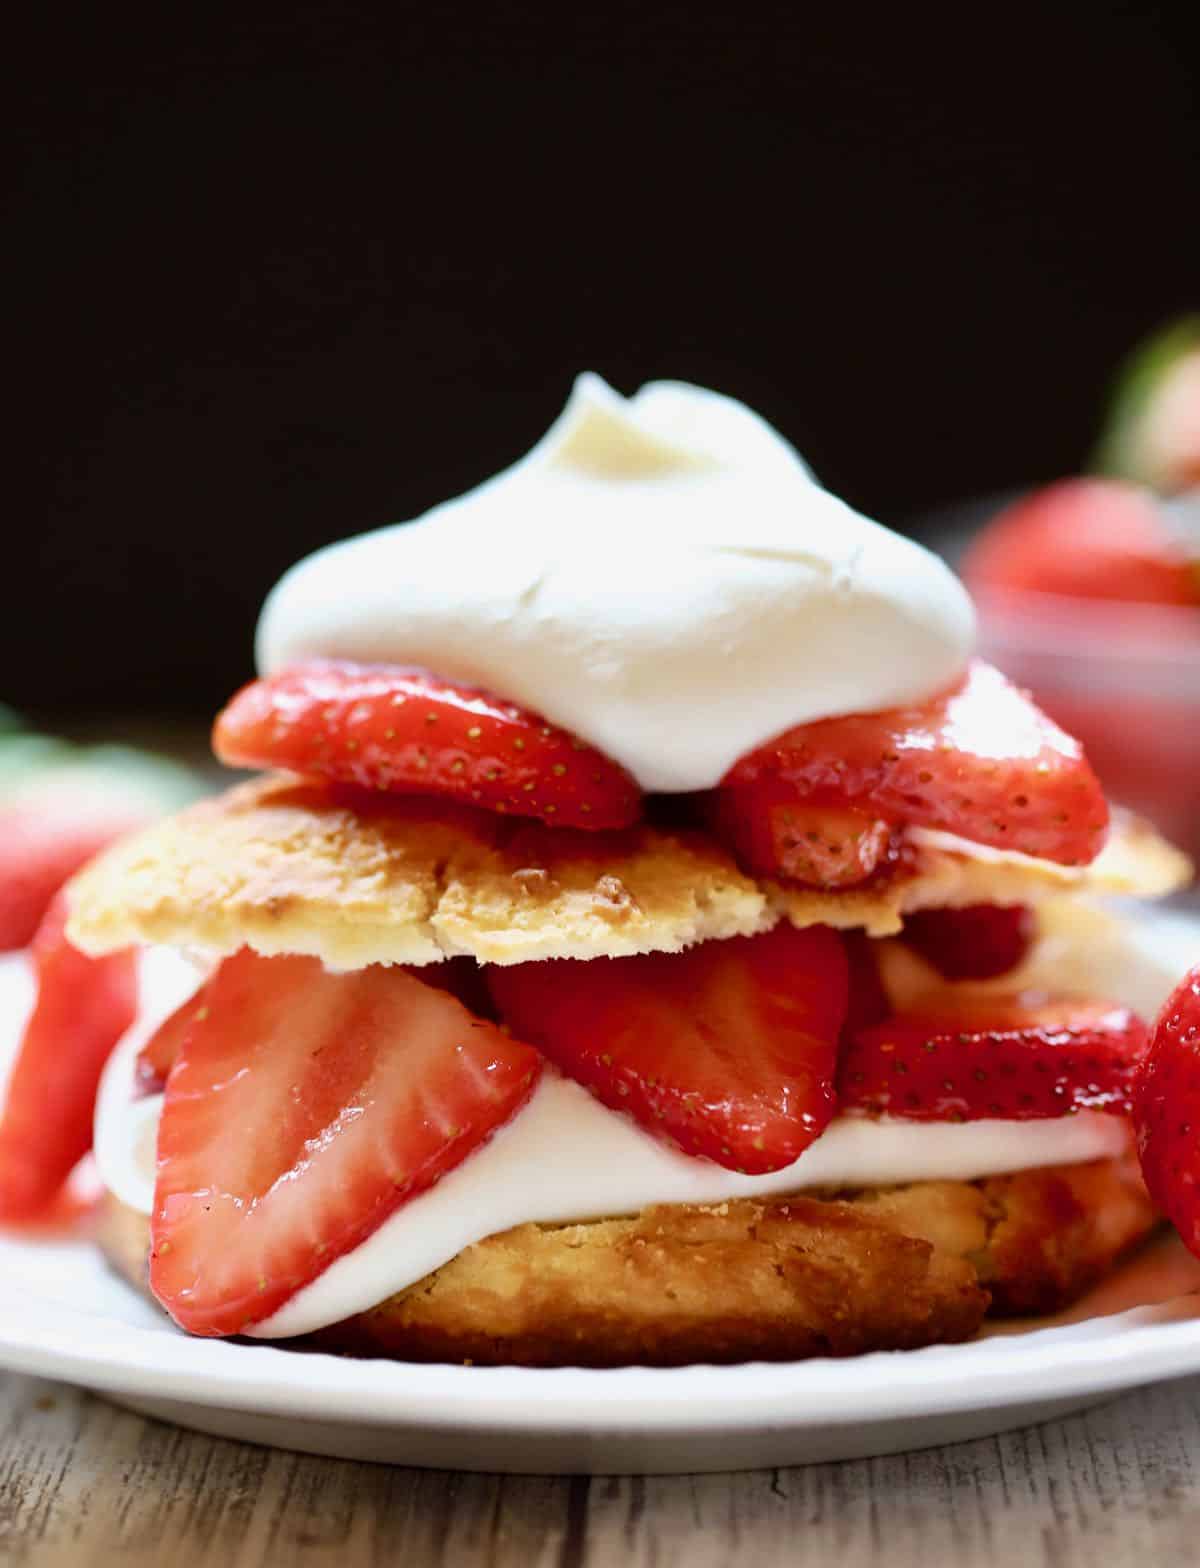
{"points": [[285, 866], [890, 1268]]}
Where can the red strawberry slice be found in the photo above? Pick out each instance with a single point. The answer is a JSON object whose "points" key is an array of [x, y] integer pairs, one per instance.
{"points": [[83, 1007], [868, 1002], [824, 846], [1016, 1058], [975, 943], [1085, 538], [406, 732], [1166, 1110], [42, 844], [161, 1051], [302, 1109], [980, 761], [727, 1050], [462, 977]]}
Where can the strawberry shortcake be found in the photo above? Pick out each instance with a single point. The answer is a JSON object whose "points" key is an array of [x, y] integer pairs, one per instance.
{"points": [[652, 937]]}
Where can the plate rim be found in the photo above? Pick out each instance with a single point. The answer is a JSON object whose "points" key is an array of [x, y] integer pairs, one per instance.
{"points": [[1060, 1362]]}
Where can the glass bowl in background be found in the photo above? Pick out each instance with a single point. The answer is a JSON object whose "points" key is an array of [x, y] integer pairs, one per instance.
{"points": [[1124, 679]]}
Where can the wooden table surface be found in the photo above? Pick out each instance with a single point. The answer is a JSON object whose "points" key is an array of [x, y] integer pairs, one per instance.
{"points": [[83, 1483]]}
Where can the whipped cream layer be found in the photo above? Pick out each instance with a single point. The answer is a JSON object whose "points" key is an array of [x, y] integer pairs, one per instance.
{"points": [[660, 575], [565, 1157]]}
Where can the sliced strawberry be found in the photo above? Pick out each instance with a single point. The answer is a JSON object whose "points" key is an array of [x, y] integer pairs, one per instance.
{"points": [[980, 761], [1166, 1110], [161, 1051], [820, 845], [42, 843], [83, 1007], [1016, 1058], [975, 943], [461, 977], [1084, 538], [867, 1001], [302, 1109], [406, 732], [727, 1049]]}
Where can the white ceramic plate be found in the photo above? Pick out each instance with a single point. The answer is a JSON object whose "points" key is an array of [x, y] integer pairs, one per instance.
{"points": [[63, 1315]]}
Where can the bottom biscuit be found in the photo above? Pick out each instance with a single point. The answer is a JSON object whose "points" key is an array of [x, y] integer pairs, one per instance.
{"points": [[830, 1274]]}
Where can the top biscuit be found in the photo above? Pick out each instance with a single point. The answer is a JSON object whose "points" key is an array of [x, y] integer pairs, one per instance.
{"points": [[288, 866]]}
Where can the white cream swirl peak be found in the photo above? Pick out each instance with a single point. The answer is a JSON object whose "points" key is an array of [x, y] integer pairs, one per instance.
{"points": [[661, 575]]}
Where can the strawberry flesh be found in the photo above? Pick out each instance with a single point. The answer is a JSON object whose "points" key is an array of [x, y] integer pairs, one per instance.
{"points": [[981, 761], [82, 1008], [823, 846], [1016, 1058], [161, 1051], [867, 1002], [727, 1050], [302, 1109], [1166, 1111], [405, 732], [461, 977], [42, 844], [978, 942]]}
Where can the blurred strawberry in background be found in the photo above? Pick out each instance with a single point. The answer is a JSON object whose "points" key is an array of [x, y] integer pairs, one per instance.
{"points": [[1090, 539], [1089, 590], [60, 804]]}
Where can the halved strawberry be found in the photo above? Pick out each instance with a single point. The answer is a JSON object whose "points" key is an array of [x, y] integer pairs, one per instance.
{"points": [[302, 1109], [1166, 1110], [1015, 1057], [727, 1049], [405, 732], [975, 943], [83, 1007], [981, 761]]}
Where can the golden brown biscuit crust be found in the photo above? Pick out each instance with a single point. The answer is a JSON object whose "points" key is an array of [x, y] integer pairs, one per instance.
{"points": [[890, 1268], [285, 866]]}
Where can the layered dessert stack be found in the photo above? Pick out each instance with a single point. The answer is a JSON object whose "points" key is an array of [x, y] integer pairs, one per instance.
{"points": [[654, 938]]}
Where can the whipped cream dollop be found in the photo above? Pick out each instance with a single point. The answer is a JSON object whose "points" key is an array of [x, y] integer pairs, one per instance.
{"points": [[565, 1157], [661, 575]]}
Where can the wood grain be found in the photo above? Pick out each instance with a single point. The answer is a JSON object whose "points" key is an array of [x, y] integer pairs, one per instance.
{"points": [[83, 1484]]}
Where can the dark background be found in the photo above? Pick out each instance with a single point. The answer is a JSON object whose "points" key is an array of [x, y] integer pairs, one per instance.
{"points": [[280, 283]]}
